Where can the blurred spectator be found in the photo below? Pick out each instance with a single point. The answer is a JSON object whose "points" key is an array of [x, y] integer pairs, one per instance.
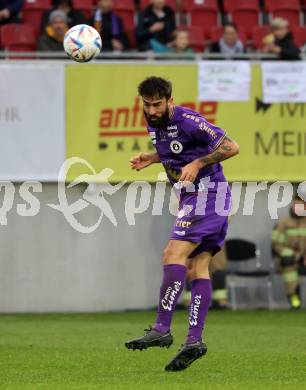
{"points": [[280, 41], [74, 17], [110, 27], [289, 245], [180, 44], [9, 11], [229, 43], [52, 39], [155, 23]]}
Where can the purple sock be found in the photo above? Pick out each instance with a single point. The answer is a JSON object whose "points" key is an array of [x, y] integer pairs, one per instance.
{"points": [[200, 301], [170, 290]]}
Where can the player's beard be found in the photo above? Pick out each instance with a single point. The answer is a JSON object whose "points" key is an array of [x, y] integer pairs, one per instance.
{"points": [[159, 122]]}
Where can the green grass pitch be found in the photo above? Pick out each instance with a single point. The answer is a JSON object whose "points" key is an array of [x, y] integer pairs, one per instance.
{"points": [[246, 350]]}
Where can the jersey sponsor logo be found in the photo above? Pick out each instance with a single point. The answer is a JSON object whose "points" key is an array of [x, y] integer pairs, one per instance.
{"points": [[153, 137], [172, 134], [176, 147], [180, 232], [183, 224], [173, 127], [208, 130]]}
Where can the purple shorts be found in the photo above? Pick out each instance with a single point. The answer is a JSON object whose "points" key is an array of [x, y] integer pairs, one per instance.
{"points": [[203, 219]]}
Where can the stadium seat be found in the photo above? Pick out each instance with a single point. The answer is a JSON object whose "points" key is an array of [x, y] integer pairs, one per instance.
{"points": [[203, 15], [217, 32], [258, 33], [246, 271], [130, 32], [195, 37], [32, 13], [170, 3], [18, 37], [299, 36], [244, 13], [86, 6], [126, 10], [289, 10]]}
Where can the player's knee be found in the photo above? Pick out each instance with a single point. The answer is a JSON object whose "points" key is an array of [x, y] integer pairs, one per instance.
{"points": [[198, 270], [190, 273], [167, 255], [173, 256]]}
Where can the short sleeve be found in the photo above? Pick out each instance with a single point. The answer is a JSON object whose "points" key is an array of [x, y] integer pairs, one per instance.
{"points": [[203, 131]]}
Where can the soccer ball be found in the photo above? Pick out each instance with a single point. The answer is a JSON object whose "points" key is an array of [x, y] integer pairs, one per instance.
{"points": [[82, 43]]}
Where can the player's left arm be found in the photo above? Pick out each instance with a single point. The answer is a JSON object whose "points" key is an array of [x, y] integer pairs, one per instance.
{"points": [[226, 149]]}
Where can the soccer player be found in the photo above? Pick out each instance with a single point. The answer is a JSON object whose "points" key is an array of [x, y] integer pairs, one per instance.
{"points": [[190, 149]]}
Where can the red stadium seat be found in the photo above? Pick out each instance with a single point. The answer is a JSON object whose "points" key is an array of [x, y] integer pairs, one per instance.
{"points": [[289, 10], [18, 37], [126, 10], [32, 13], [258, 33], [299, 36], [170, 3], [196, 38], [203, 15], [244, 13], [86, 6], [217, 32]]}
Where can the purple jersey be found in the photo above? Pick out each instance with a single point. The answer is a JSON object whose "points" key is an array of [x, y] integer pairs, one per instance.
{"points": [[187, 137]]}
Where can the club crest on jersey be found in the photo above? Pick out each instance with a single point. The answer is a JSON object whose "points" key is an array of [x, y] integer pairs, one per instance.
{"points": [[173, 134], [176, 147]]}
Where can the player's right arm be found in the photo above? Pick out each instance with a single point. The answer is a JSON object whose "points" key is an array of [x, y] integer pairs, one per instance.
{"points": [[143, 160]]}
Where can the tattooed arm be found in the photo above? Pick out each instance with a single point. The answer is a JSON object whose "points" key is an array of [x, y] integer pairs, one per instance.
{"points": [[228, 148]]}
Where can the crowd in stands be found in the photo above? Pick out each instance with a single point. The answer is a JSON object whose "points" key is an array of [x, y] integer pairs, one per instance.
{"points": [[161, 26]]}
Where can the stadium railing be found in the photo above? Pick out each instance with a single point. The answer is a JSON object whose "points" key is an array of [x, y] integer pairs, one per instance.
{"points": [[5, 55]]}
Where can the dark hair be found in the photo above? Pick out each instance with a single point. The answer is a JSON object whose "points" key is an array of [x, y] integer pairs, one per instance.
{"points": [[233, 25], [155, 87], [57, 3]]}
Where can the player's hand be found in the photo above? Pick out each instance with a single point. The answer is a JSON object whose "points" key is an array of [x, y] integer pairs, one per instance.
{"points": [[276, 49], [157, 26], [5, 14], [141, 161], [117, 45], [189, 173]]}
